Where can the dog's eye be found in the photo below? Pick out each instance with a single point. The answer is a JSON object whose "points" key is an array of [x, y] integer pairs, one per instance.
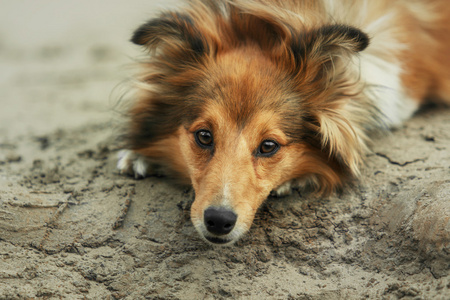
{"points": [[268, 148], [204, 138]]}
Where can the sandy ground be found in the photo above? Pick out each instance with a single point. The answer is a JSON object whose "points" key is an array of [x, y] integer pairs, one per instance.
{"points": [[72, 227]]}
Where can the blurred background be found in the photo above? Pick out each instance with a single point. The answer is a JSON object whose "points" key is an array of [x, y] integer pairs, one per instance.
{"points": [[61, 60]]}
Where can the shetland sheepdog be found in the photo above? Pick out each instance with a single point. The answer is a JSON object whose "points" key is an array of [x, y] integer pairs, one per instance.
{"points": [[241, 98]]}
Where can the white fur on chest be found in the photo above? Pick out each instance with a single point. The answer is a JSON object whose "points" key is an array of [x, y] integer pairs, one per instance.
{"points": [[384, 88]]}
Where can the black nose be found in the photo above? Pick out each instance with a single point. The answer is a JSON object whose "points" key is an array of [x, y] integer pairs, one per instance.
{"points": [[219, 221]]}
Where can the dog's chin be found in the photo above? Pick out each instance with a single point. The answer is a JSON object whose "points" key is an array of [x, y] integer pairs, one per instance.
{"points": [[219, 241], [224, 240]]}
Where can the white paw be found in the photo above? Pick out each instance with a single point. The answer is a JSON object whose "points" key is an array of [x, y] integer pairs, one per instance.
{"points": [[283, 190], [132, 163]]}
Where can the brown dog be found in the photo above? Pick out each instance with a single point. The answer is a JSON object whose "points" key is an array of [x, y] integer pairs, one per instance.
{"points": [[241, 98]]}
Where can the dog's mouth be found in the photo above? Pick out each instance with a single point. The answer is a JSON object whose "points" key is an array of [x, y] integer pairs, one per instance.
{"points": [[218, 240], [228, 239]]}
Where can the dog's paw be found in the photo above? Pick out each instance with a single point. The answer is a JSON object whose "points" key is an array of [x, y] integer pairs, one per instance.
{"points": [[132, 164], [283, 190]]}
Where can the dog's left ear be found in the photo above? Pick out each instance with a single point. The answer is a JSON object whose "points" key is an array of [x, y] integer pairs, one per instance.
{"points": [[323, 44], [342, 36]]}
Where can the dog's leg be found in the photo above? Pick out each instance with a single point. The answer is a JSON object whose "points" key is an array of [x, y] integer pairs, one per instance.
{"points": [[283, 190], [133, 164], [299, 183]]}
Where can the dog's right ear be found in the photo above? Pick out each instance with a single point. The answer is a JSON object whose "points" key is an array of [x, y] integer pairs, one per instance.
{"points": [[172, 29]]}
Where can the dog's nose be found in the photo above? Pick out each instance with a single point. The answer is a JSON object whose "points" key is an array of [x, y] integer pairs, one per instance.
{"points": [[219, 221]]}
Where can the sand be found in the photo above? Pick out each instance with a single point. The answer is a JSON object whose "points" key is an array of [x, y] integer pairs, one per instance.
{"points": [[72, 227]]}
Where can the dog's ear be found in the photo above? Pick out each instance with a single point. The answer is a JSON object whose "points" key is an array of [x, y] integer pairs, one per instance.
{"points": [[329, 40], [323, 46], [342, 36], [171, 29]]}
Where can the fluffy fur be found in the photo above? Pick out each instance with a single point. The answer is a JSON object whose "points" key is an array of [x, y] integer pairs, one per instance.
{"points": [[315, 79]]}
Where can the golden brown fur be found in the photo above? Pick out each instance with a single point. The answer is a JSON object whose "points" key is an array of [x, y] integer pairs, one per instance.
{"points": [[300, 74]]}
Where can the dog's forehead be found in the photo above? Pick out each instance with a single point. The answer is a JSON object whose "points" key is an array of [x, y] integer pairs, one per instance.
{"points": [[244, 75], [243, 83]]}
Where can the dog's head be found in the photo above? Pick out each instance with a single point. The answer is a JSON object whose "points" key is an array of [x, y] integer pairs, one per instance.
{"points": [[240, 104]]}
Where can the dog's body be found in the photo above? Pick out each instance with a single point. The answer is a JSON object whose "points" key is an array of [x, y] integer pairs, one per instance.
{"points": [[241, 98]]}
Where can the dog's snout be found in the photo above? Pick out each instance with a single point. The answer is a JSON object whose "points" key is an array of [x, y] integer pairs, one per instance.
{"points": [[219, 221]]}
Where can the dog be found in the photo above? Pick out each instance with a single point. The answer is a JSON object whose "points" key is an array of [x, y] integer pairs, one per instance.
{"points": [[241, 99]]}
